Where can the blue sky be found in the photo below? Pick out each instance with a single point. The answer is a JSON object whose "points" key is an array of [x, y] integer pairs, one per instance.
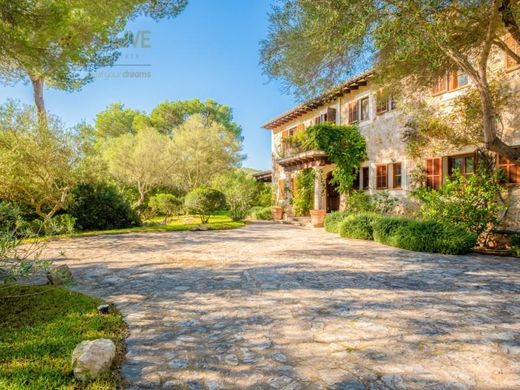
{"points": [[211, 50]]}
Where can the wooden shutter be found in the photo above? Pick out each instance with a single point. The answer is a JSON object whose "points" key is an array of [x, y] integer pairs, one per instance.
{"points": [[366, 178], [381, 102], [511, 170], [331, 115], [433, 172], [300, 128], [317, 120], [381, 177], [353, 111], [397, 175]]}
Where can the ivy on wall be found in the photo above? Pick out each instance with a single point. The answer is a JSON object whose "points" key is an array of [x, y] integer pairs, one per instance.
{"points": [[303, 195], [344, 145]]}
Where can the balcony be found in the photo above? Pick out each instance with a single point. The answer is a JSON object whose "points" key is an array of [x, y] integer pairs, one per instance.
{"points": [[294, 154]]}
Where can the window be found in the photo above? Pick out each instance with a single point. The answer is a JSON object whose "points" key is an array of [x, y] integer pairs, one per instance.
{"points": [[512, 171], [384, 102], [513, 45], [381, 177], [433, 172], [449, 82], [353, 111], [464, 164], [365, 109], [366, 177], [397, 175], [355, 183]]}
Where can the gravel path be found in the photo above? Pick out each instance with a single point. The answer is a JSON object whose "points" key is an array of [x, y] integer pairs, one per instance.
{"points": [[285, 307]]}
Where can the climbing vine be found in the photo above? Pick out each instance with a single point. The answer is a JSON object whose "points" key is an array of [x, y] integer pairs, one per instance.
{"points": [[344, 145], [304, 191]]}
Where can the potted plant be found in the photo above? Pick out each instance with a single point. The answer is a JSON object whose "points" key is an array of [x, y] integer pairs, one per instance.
{"points": [[277, 212], [317, 217]]}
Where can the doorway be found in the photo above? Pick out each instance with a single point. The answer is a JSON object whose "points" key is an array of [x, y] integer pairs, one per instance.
{"points": [[333, 198]]}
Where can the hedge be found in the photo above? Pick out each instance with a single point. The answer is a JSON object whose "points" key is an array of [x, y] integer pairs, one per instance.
{"points": [[358, 226], [261, 213], [424, 236], [333, 220]]}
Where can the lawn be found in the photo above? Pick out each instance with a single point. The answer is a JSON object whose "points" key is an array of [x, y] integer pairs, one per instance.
{"points": [[185, 222], [39, 331]]}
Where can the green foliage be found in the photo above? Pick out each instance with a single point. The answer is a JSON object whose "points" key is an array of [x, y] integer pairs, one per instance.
{"points": [[117, 120], [100, 206], [240, 190], [61, 224], [37, 160], [165, 205], [358, 202], [358, 226], [264, 195], [261, 213], [167, 116], [384, 203], [303, 195], [344, 145], [472, 201], [424, 236], [204, 202], [10, 216], [333, 220], [39, 328]]}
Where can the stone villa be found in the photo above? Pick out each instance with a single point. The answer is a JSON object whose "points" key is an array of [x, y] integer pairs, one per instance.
{"points": [[388, 167]]}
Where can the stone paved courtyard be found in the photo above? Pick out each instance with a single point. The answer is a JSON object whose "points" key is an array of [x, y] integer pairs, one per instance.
{"points": [[285, 307]]}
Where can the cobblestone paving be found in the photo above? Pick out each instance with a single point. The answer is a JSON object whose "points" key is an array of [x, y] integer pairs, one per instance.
{"points": [[284, 307]]}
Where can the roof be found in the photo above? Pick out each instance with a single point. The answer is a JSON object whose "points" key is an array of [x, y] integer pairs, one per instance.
{"points": [[263, 176], [326, 97]]}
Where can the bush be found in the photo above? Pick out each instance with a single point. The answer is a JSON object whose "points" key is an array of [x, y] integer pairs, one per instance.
{"points": [[473, 201], [358, 226], [424, 236], [101, 206], [165, 205], [333, 220], [10, 216], [240, 190], [204, 202], [61, 224], [358, 202], [261, 213]]}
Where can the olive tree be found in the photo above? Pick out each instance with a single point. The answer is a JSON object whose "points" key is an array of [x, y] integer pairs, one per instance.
{"points": [[204, 202], [37, 161]]}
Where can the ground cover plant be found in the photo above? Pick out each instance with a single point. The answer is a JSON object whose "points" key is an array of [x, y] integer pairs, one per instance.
{"points": [[39, 328]]}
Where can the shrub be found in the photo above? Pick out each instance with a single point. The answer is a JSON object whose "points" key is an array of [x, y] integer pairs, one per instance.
{"points": [[240, 190], [261, 213], [424, 236], [165, 205], [358, 202], [61, 224], [384, 203], [473, 201], [204, 202], [333, 220], [358, 226], [10, 216], [101, 206]]}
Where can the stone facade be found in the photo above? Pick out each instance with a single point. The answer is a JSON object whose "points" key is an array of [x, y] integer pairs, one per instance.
{"points": [[385, 144]]}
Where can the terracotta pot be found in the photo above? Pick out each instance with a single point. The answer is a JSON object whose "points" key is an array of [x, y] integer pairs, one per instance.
{"points": [[317, 217], [277, 212]]}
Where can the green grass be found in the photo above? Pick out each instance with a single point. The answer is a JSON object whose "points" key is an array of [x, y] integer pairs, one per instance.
{"points": [[39, 331], [183, 223]]}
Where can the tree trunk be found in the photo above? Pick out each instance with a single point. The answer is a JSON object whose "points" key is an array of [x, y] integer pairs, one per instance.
{"points": [[489, 125], [38, 83]]}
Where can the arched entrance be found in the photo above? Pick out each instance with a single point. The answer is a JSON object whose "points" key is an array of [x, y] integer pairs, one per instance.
{"points": [[332, 195]]}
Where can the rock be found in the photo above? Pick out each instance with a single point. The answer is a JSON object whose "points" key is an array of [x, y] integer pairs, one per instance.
{"points": [[103, 309], [92, 358], [200, 228], [59, 276]]}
